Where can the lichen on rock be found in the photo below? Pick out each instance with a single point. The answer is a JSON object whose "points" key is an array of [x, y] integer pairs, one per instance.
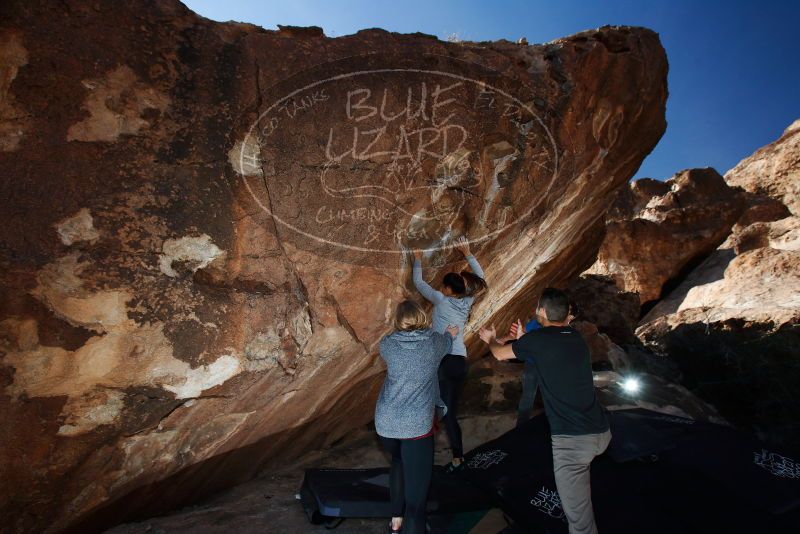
{"points": [[117, 104], [79, 227]]}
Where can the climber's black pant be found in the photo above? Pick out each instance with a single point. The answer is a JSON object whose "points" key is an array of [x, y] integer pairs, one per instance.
{"points": [[452, 372], [530, 385], [409, 479]]}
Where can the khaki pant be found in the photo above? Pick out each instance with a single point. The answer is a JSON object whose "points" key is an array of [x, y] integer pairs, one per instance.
{"points": [[571, 458]]}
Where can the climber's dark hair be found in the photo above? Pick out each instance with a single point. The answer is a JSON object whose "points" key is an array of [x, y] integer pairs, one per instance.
{"points": [[474, 285], [555, 304], [455, 282]]}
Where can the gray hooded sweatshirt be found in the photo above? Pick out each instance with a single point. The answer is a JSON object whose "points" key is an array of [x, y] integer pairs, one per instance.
{"points": [[448, 310], [410, 392]]}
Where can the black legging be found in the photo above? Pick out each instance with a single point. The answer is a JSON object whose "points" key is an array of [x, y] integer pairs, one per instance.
{"points": [[452, 372], [412, 464], [530, 385]]}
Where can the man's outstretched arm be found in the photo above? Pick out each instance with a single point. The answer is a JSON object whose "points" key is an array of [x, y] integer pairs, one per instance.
{"points": [[515, 332], [499, 351]]}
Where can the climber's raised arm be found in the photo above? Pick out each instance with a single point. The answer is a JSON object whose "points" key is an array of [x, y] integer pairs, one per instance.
{"points": [[463, 246], [422, 286]]}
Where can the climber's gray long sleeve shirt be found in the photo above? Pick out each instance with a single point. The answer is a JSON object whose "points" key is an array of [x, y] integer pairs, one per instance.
{"points": [[448, 310]]}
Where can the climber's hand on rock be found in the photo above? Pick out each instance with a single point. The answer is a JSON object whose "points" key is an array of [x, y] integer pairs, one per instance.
{"points": [[462, 244], [452, 330]]}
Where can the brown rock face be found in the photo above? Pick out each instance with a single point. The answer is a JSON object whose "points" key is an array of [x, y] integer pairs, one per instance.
{"points": [[652, 238], [753, 276], [773, 170], [600, 301], [633, 199], [205, 226]]}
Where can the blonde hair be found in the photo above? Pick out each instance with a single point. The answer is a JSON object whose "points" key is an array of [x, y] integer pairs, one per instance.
{"points": [[410, 316]]}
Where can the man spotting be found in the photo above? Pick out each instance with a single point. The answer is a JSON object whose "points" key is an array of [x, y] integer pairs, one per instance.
{"points": [[578, 427], [530, 383]]}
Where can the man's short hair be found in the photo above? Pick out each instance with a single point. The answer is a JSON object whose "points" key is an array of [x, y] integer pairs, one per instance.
{"points": [[555, 304]]}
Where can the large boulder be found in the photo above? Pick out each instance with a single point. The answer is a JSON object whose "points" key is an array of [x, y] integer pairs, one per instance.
{"points": [[205, 225], [656, 232], [773, 170]]}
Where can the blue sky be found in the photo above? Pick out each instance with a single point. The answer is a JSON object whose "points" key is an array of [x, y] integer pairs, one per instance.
{"points": [[734, 76]]}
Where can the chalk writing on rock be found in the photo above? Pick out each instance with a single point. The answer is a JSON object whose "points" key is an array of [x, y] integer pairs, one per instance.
{"points": [[382, 160]]}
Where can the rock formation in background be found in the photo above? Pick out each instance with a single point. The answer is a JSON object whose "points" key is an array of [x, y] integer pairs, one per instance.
{"points": [[732, 325], [773, 170], [200, 247], [600, 301], [716, 265], [655, 231]]}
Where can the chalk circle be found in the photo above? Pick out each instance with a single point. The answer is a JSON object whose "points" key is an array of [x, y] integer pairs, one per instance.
{"points": [[271, 124]]}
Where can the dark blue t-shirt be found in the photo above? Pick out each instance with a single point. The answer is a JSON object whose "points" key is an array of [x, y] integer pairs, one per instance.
{"points": [[532, 325], [564, 370]]}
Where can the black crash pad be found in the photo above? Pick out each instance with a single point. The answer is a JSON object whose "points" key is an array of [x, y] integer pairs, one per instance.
{"points": [[332, 493], [661, 474]]}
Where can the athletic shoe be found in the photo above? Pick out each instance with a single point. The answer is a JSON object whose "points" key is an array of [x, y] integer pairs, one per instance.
{"points": [[453, 468]]}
